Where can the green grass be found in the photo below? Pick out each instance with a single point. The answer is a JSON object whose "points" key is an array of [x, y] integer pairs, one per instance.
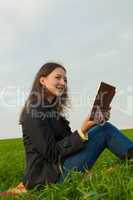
{"points": [[111, 178]]}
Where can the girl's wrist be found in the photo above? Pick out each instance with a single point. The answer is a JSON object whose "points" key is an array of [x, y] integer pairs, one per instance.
{"points": [[83, 135]]}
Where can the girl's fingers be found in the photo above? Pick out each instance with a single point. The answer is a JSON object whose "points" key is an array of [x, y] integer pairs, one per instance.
{"points": [[102, 115]]}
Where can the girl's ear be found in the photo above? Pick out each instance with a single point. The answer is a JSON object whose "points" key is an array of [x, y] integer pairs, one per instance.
{"points": [[42, 80]]}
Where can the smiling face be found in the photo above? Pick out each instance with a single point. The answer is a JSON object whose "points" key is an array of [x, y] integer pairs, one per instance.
{"points": [[55, 82]]}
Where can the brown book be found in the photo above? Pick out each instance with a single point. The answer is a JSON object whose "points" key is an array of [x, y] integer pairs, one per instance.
{"points": [[103, 98]]}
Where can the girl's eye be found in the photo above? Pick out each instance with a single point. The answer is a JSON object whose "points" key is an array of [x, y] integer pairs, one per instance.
{"points": [[58, 77]]}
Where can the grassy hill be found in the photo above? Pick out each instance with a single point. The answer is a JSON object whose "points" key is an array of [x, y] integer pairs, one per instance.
{"points": [[111, 178]]}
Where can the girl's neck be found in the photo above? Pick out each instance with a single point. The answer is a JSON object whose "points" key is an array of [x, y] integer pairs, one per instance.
{"points": [[48, 96], [50, 99]]}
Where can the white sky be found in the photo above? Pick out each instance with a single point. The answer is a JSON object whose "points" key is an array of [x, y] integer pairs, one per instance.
{"points": [[92, 39]]}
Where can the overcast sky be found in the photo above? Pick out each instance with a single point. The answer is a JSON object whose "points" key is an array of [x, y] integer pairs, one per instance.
{"points": [[92, 39]]}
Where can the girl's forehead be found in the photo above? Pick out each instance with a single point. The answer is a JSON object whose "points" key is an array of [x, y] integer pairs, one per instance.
{"points": [[59, 71]]}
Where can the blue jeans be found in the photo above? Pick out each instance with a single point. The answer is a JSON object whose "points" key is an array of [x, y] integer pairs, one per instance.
{"points": [[99, 138]]}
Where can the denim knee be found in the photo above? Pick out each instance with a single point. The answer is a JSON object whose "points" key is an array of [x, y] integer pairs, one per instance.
{"points": [[108, 125]]}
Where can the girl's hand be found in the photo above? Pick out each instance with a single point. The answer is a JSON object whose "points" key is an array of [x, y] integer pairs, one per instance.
{"points": [[87, 124], [102, 115], [106, 113]]}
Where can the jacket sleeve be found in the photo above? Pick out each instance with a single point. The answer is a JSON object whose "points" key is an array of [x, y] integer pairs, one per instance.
{"points": [[43, 140]]}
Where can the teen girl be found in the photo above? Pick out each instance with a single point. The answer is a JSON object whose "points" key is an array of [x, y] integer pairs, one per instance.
{"points": [[51, 148]]}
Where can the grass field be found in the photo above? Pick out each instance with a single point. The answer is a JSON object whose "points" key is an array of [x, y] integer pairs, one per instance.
{"points": [[110, 179]]}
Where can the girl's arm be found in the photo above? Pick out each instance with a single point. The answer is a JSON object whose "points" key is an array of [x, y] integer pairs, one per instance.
{"points": [[42, 138]]}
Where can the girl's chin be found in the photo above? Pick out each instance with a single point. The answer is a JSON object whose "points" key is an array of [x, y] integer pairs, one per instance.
{"points": [[56, 93]]}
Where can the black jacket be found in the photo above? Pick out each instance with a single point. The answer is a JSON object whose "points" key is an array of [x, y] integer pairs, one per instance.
{"points": [[47, 139]]}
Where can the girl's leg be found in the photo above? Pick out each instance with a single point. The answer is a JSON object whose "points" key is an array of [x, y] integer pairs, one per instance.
{"points": [[87, 156], [118, 143], [100, 137]]}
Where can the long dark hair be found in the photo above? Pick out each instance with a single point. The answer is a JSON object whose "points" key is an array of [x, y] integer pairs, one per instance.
{"points": [[38, 90]]}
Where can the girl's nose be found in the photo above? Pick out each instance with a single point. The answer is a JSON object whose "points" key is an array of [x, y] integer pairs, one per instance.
{"points": [[63, 83]]}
